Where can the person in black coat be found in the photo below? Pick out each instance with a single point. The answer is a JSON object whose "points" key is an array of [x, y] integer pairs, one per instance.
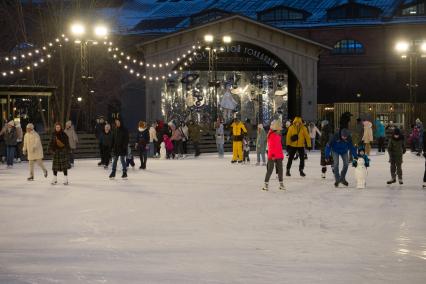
{"points": [[99, 131], [142, 140], [120, 141], [105, 140]]}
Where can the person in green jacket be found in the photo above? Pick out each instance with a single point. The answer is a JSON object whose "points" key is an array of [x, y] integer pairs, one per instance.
{"points": [[396, 149], [261, 144], [195, 136]]}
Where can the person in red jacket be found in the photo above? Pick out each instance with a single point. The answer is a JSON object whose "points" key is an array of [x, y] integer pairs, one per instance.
{"points": [[275, 154]]}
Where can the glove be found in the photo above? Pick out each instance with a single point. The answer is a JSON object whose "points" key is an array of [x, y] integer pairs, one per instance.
{"points": [[354, 163]]}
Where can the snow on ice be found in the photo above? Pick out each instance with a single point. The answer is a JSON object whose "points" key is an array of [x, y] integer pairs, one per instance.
{"points": [[207, 221]]}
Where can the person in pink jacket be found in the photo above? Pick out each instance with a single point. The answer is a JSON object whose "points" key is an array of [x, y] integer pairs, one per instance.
{"points": [[275, 154], [169, 146]]}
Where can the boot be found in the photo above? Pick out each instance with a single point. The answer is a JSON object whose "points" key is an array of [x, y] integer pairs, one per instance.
{"points": [[282, 187], [344, 182], [31, 178], [265, 187], [322, 175], [424, 185], [393, 180], [400, 181], [55, 180], [112, 175], [336, 184], [302, 174], [45, 173], [287, 173], [124, 175], [65, 180]]}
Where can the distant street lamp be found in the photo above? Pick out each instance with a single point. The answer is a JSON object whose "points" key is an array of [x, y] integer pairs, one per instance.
{"points": [[358, 96], [414, 50]]}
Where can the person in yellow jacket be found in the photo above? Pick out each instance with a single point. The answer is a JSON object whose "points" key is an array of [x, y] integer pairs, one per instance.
{"points": [[297, 138], [238, 131]]}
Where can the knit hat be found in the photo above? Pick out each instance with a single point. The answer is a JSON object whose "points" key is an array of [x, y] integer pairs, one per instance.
{"points": [[344, 133], [275, 125], [260, 126], [30, 126], [68, 123], [11, 123], [396, 131]]}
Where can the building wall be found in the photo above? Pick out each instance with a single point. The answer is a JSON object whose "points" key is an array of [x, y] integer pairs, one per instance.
{"points": [[379, 74]]}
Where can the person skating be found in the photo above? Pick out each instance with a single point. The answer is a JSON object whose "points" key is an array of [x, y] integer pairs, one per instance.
{"points": [[220, 137], [168, 146], [380, 134], [419, 126], [60, 147], [99, 130], [177, 140], [424, 155], [34, 149], [153, 140], [105, 142], [396, 149], [313, 131], [275, 154], [120, 141], [238, 130], [326, 136], [194, 130], [10, 138], [72, 138], [19, 139], [367, 138], [246, 150], [339, 147], [261, 144], [297, 136], [142, 140]]}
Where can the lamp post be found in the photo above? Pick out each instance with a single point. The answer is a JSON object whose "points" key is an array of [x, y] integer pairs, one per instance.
{"points": [[413, 50], [78, 30], [358, 96], [213, 47]]}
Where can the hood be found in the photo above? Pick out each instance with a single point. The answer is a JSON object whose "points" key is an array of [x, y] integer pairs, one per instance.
{"points": [[297, 120]]}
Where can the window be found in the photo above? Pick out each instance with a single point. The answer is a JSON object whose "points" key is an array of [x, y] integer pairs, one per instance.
{"points": [[282, 14], [414, 10], [353, 11], [348, 46], [207, 16]]}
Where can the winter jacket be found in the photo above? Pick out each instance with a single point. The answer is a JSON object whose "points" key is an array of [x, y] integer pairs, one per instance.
{"points": [[105, 139], [396, 148], [32, 146], [185, 131], [62, 138], [168, 143], [368, 132], [120, 140], [220, 135], [261, 141], [302, 134], [10, 136], [313, 131], [194, 132], [72, 137], [326, 136], [340, 146], [99, 129], [19, 133], [176, 134], [238, 130], [152, 134], [142, 139], [275, 149], [380, 129]]}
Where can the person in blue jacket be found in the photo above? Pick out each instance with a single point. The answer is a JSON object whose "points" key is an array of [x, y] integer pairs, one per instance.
{"points": [[380, 135], [339, 146]]}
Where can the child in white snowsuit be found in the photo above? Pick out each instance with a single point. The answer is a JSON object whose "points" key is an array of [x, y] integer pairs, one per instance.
{"points": [[361, 163]]}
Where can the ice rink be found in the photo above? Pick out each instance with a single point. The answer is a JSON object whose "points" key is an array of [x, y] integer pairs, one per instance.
{"points": [[207, 221]]}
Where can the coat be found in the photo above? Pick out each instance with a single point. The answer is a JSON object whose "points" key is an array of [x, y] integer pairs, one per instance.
{"points": [[142, 139], [275, 148], [10, 137], [61, 160], [261, 141], [105, 139], [340, 146], [120, 141], [72, 137], [326, 136], [152, 134], [380, 129], [313, 131], [302, 135], [176, 134], [238, 130], [396, 148], [194, 132], [368, 132], [32, 146]]}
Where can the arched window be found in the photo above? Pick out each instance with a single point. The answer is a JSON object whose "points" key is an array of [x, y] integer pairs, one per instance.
{"points": [[282, 13], [348, 46]]}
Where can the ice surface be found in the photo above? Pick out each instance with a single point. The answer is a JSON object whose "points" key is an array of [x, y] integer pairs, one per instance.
{"points": [[207, 221]]}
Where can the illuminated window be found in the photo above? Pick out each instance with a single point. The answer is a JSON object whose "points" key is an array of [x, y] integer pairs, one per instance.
{"points": [[348, 46], [414, 10]]}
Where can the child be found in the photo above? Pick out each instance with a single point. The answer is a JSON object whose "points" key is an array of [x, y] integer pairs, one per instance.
{"points": [[361, 163], [129, 157], [169, 146], [396, 149], [246, 149], [275, 154]]}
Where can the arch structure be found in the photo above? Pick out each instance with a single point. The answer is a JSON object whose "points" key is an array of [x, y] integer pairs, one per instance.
{"points": [[299, 54]]}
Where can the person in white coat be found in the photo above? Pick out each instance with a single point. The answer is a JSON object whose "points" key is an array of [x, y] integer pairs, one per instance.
{"points": [[72, 138], [313, 131], [367, 138], [153, 140], [34, 149]]}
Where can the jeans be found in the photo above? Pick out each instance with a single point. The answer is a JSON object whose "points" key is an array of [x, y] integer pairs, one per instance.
{"points": [[340, 176], [381, 144], [292, 152], [260, 154], [270, 168], [220, 149], [10, 154], [313, 143], [122, 161], [151, 147]]}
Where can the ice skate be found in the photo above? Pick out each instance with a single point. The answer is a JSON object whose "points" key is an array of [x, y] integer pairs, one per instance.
{"points": [[400, 181], [31, 178], [65, 180], [54, 180], [124, 175], [265, 187], [287, 173], [282, 187], [424, 185], [302, 174], [45, 174], [336, 184], [263, 164], [391, 181], [257, 164], [322, 175], [112, 175], [344, 182]]}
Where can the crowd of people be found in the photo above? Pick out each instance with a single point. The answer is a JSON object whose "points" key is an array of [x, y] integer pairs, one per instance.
{"points": [[272, 144]]}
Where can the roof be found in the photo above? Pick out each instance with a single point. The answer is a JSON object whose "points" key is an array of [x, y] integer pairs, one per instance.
{"points": [[137, 11]]}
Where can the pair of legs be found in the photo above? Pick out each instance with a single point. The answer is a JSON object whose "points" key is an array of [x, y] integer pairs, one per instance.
{"points": [[367, 148], [237, 151], [260, 154], [143, 155], [72, 156], [105, 156], [313, 143], [396, 169], [292, 152], [196, 148], [55, 173], [246, 156], [220, 149], [381, 144], [40, 164], [278, 164], [10, 154], [122, 161], [18, 153], [340, 176], [178, 147]]}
